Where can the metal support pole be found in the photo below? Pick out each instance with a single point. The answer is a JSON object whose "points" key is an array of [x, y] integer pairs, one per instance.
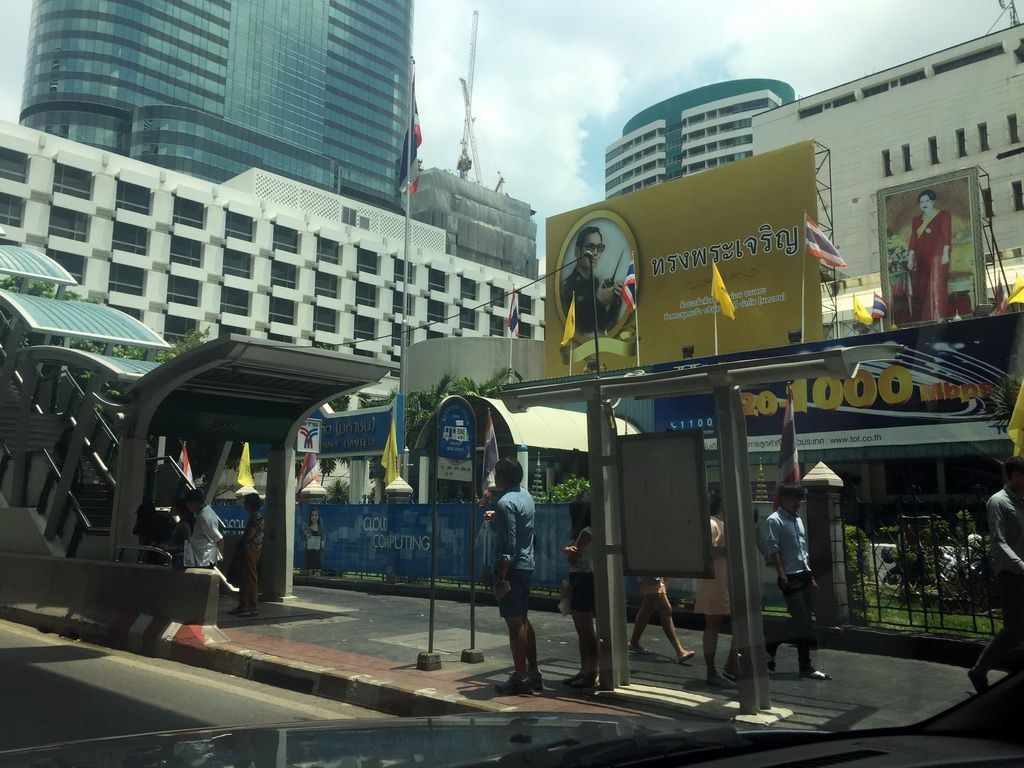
{"points": [[742, 554]]}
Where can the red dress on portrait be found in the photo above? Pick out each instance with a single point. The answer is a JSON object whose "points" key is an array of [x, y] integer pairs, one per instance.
{"points": [[930, 277]]}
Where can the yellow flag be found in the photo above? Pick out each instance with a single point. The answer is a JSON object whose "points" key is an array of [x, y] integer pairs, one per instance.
{"points": [[390, 458], [245, 468], [1017, 294], [860, 314], [719, 294], [1015, 429], [570, 322]]}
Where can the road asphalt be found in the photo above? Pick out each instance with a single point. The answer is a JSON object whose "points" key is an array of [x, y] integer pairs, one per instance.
{"points": [[361, 644]]}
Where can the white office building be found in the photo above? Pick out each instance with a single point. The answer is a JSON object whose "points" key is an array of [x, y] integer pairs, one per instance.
{"points": [[689, 133], [259, 254], [955, 109]]}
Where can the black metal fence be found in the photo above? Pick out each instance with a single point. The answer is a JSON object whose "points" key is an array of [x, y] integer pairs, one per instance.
{"points": [[919, 564]]}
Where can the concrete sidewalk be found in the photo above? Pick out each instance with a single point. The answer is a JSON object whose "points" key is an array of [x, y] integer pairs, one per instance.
{"points": [[361, 647]]}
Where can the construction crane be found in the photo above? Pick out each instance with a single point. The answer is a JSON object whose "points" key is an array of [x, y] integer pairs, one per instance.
{"points": [[465, 164]]}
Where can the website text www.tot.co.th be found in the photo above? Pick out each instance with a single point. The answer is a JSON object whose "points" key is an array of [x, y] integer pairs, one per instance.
{"points": [[829, 441]]}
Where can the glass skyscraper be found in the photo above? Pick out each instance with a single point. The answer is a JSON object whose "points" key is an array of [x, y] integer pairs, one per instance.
{"points": [[314, 90]]}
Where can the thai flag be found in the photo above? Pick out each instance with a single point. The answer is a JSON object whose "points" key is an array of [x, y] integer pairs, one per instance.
{"points": [[1002, 294], [789, 463], [406, 184], [186, 467], [490, 453], [879, 308], [307, 474], [629, 286], [513, 314], [820, 246]]}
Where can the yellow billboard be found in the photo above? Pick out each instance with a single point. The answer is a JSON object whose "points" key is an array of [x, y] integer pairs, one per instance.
{"points": [[630, 279]]}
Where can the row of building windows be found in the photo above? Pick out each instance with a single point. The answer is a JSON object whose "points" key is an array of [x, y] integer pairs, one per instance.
{"points": [[638, 141], [913, 77], [713, 130], [732, 109], [714, 162], [645, 169], [635, 157], [960, 145], [714, 146]]}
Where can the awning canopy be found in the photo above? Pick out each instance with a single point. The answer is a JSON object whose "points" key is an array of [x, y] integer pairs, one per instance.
{"points": [[22, 262], [242, 389], [114, 368], [80, 320], [550, 428]]}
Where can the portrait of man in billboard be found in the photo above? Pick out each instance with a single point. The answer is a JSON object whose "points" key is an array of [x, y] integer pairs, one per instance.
{"points": [[930, 248], [593, 267]]}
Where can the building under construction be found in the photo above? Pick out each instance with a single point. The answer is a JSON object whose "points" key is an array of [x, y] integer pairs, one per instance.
{"points": [[481, 225]]}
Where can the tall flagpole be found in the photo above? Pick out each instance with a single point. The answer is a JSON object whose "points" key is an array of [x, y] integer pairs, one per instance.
{"points": [[715, 317], [803, 283], [409, 139], [511, 333]]}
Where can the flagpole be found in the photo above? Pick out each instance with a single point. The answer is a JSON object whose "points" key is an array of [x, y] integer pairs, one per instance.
{"points": [[511, 333], [803, 282], [403, 342], [715, 318]]}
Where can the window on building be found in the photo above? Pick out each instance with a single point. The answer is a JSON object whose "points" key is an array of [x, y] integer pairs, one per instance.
{"points": [[185, 251], [282, 310], [130, 238], [961, 143], [1017, 188], [435, 310], [238, 226], [284, 339], [525, 331], [497, 296], [905, 149], [432, 334], [282, 274], [178, 327], [525, 303], [933, 150], [326, 285], [325, 319], [130, 311], [11, 210], [237, 263], [72, 262], [1012, 131], [400, 266], [366, 295], [367, 261], [72, 181], [497, 325], [983, 136], [234, 300], [286, 239], [467, 288], [971, 58], [133, 197], [125, 279], [365, 327], [913, 77], [326, 250], [182, 290], [70, 224], [874, 90], [13, 165], [467, 319], [886, 163], [437, 280], [396, 303], [226, 330], [189, 212]]}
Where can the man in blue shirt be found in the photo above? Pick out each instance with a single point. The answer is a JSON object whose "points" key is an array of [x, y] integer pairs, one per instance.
{"points": [[1006, 527], [786, 550], [513, 572]]}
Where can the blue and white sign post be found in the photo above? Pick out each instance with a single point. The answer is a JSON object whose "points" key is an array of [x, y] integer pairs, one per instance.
{"points": [[456, 447]]}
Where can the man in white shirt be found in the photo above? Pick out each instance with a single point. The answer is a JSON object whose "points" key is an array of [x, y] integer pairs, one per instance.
{"points": [[1006, 529], [207, 539]]}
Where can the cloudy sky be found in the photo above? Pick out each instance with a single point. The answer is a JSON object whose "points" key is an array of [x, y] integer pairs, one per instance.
{"points": [[556, 80]]}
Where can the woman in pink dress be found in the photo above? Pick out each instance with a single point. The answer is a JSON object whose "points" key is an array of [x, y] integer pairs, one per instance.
{"points": [[931, 241], [713, 600]]}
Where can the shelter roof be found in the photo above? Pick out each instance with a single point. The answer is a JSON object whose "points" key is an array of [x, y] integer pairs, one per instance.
{"points": [[115, 368], [23, 262], [551, 428], [239, 388], [81, 320]]}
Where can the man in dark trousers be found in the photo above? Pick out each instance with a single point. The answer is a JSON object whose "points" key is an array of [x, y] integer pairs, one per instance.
{"points": [[1006, 529], [786, 550], [513, 572]]}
